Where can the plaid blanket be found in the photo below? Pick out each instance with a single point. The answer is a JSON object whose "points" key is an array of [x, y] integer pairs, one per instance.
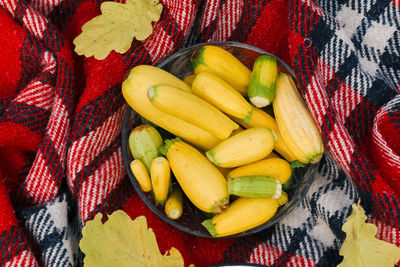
{"points": [[61, 117]]}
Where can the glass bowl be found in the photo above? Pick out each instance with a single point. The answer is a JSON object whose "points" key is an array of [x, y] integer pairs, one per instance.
{"points": [[179, 64]]}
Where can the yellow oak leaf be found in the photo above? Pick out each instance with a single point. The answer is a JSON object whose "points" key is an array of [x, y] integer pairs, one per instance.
{"points": [[122, 242], [361, 247], [116, 27]]}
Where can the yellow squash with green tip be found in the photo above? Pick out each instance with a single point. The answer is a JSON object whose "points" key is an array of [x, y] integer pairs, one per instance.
{"points": [[260, 118], [296, 125], [160, 176], [192, 109], [219, 61], [242, 148], [199, 179], [141, 174], [243, 214]]}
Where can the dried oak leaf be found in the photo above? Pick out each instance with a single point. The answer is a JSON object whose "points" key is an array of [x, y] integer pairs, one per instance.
{"points": [[116, 27], [122, 242], [361, 247]]}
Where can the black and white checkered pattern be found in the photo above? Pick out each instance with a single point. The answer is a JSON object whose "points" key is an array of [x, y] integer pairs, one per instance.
{"points": [[50, 226]]}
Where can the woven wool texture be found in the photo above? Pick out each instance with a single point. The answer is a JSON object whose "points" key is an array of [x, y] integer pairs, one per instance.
{"points": [[61, 117]]}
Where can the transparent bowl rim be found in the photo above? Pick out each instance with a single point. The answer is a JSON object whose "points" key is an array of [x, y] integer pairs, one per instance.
{"points": [[310, 173]]}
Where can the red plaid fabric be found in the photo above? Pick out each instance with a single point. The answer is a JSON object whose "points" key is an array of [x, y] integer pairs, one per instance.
{"points": [[61, 118]]}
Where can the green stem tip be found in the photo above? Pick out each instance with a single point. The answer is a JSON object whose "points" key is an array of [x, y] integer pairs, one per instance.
{"points": [[297, 164], [210, 227], [211, 156], [167, 144], [248, 117]]}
